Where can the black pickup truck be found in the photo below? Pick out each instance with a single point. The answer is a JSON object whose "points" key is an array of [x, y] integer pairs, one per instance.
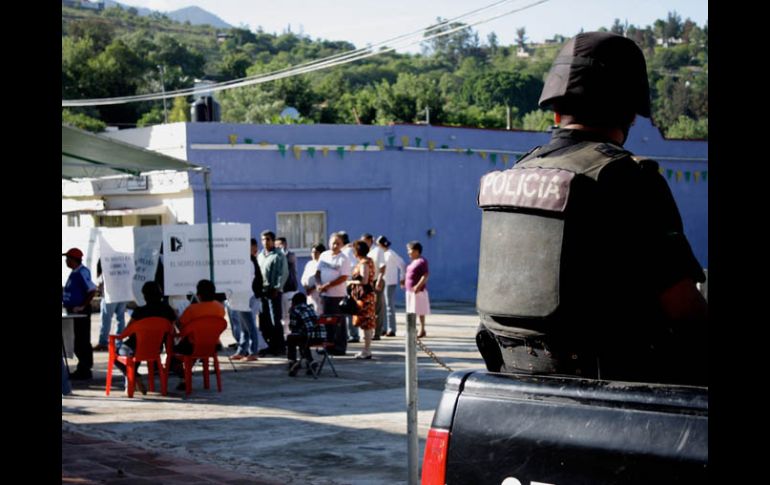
{"points": [[514, 429]]}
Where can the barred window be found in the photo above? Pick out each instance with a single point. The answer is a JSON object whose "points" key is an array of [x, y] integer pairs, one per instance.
{"points": [[301, 230]]}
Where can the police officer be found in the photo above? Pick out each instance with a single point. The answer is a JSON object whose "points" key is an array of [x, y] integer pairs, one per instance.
{"points": [[584, 267]]}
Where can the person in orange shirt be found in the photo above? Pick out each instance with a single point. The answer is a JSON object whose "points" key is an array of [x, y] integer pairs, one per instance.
{"points": [[206, 306]]}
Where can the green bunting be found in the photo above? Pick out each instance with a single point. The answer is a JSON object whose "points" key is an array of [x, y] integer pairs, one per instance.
{"points": [[391, 140], [493, 158], [417, 140], [282, 149], [341, 152], [248, 141], [366, 145], [311, 152]]}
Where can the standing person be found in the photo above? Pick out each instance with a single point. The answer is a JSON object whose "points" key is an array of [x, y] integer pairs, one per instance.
{"points": [[257, 291], [378, 256], [393, 265], [585, 248], [76, 298], [416, 285], [362, 281], [309, 279], [349, 252], [240, 306], [333, 270], [291, 286], [275, 271], [117, 308]]}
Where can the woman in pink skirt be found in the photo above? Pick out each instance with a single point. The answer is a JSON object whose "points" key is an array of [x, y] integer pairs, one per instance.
{"points": [[416, 279]]}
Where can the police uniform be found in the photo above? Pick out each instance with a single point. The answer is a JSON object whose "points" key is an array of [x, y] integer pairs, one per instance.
{"points": [[578, 241]]}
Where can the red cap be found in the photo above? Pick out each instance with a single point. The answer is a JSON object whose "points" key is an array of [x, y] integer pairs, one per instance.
{"points": [[74, 253]]}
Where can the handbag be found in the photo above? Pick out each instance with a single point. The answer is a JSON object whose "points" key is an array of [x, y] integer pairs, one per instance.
{"points": [[348, 306]]}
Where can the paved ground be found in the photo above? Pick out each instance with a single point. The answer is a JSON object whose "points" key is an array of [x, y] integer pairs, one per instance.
{"points": [[265, 427]]}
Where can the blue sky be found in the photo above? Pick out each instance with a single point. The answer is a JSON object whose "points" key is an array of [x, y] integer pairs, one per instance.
{"points": [[370, 21]]}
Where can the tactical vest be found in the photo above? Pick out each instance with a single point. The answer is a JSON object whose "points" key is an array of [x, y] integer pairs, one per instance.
{"points": [[540, 267]]}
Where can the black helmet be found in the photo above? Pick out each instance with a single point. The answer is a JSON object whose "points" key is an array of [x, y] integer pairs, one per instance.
{"points": [[600, 74]]}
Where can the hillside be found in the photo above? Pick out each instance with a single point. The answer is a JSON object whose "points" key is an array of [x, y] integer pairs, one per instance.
{"points": [[462, 80]]}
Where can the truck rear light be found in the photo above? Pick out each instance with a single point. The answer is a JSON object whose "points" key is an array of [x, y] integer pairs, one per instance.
{"points": [[434, 460]]}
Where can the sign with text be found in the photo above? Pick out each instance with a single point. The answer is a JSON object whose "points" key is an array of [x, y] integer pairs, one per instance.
{"points": [[186, 257], [147, 241], [116, 250]]}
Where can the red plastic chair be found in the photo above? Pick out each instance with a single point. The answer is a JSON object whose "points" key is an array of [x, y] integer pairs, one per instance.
{"points": [[203, 334], [150, 333]]}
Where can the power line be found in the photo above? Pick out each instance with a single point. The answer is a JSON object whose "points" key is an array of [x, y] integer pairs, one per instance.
{"points": [[319, 64]]}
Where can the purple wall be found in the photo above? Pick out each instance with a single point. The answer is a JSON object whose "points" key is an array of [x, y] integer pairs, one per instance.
{"points": [[400, 193]]}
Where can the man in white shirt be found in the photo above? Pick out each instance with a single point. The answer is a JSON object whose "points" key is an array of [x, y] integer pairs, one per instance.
{"points": [[334, 270], [393, 264]]}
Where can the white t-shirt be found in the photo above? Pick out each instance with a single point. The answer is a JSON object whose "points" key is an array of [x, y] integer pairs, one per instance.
{"points": [[393, 264], [332, 267], [378, 256], [350, 253]]}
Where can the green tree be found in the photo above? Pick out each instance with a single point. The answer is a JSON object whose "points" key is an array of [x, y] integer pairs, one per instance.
{"points": [[688, 128], [82, 121], [152, 117], [537, 120], [180, 110]]}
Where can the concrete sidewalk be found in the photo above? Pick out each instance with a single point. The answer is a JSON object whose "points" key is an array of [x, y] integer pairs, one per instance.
{"points": [[266, 427]]}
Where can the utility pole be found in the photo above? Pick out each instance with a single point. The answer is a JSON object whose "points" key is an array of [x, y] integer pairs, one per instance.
{"points": [[163, 90]]}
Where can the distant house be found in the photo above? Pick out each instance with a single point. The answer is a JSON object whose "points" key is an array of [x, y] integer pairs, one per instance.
{"points": [[522, 52], [223, 36]]}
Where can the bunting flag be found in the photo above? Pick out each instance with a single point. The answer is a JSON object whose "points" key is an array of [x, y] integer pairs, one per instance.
{"points": [[696, 176], [493, 158], [431, 145], [678, 175], [366, 145], [404, 141], [391, 140], [483, 155], [341, 152], [232, 138], [458, 150], [660, 170], [669, 173], [263, 143], [505, 159], [248, 140], [444, 147], [705, 175], [417, 140], [687, 176], [325, 151], [468, 152], [352, 147], [282, 149], [297, 151], [380, 144]]}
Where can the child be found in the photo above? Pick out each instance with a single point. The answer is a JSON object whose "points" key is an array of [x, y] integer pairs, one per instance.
{"points": [[305, 331]]}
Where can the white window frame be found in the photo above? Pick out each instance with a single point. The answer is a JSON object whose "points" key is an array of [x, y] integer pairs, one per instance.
{"points": [[300, 248]]}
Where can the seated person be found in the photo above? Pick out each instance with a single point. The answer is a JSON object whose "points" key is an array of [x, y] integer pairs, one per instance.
{"points": [[154, 307], [305, 331], [205, 306]]}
